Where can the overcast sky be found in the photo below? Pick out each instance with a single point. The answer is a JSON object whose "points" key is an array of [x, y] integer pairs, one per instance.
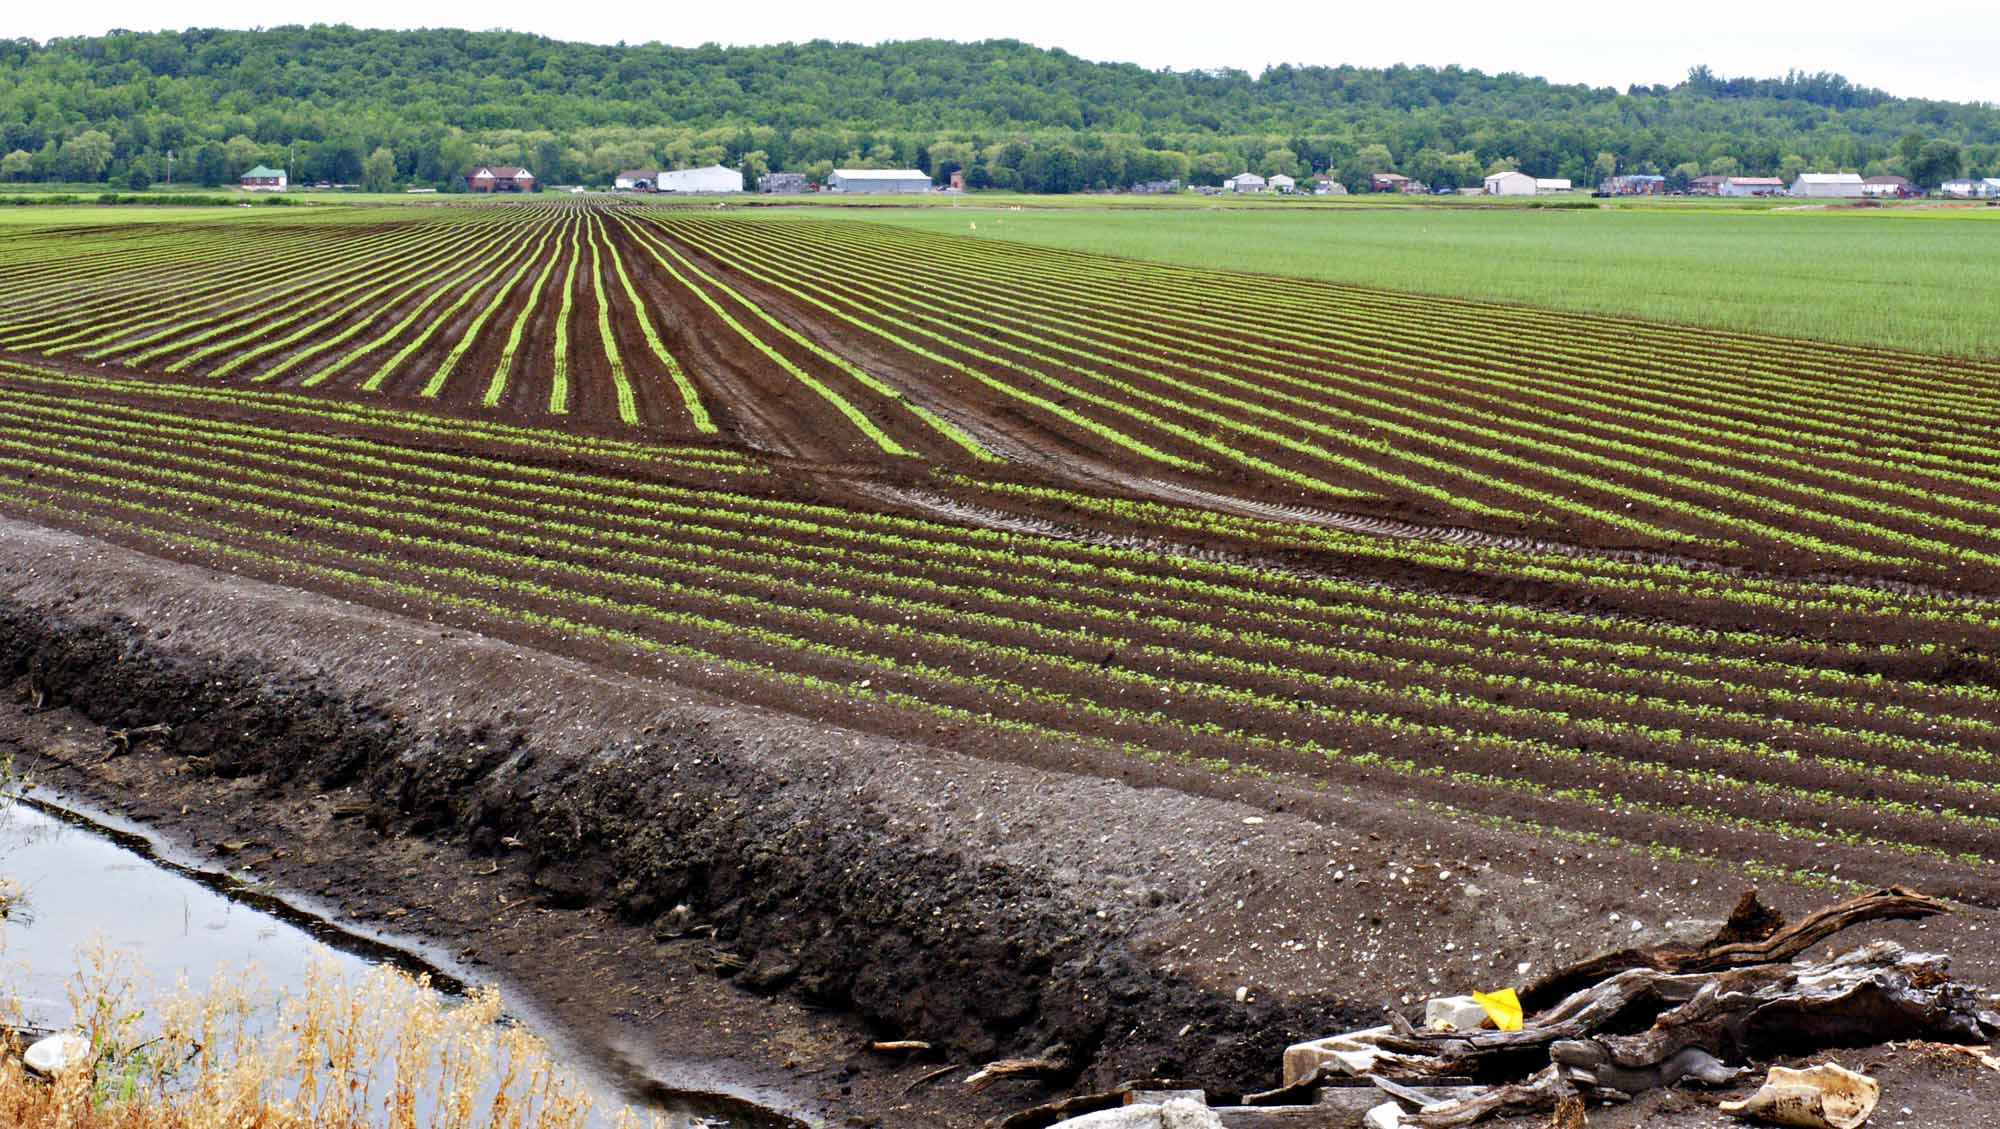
{"points": [[1938, 49]]}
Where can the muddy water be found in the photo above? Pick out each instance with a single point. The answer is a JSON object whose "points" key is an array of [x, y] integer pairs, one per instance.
{"points": [[83, 882]]}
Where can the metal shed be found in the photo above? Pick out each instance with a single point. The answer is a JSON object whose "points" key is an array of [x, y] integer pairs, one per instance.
{"points": [[878, 180], [714, 178]]}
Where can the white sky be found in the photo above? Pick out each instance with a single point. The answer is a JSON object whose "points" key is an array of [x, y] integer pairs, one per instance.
{"points": [[1937, 49]]}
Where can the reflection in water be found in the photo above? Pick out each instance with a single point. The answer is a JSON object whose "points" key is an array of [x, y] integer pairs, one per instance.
{"points": [[81, 885]]}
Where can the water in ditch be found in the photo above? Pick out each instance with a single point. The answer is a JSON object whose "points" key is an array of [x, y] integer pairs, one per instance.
{"points": [[83, 883]]}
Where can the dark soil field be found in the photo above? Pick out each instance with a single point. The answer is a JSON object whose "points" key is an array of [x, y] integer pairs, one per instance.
{"points": [[769, 635]]}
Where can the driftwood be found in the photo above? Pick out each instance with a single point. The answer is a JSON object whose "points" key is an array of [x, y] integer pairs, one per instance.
{"points": [[1543, 1091], [1754, 934], [1049, 1063], [927, 1079], [892, 1045], [1871, 994], [124, 738]]}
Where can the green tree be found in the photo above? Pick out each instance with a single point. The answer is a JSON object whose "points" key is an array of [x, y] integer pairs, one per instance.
{"points": [[86, 155], [17, 164], [239, 155], [1374, 158], [378, 172], [1280, 162], [1936, 162], [1459, 170]]}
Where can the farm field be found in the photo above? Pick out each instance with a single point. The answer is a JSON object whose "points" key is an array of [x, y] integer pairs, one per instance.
{"points": [[1904, 276], [1705, 594]]}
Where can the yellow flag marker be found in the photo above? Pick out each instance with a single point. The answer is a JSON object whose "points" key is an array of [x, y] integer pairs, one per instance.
{"points": [[1502, 1007]]}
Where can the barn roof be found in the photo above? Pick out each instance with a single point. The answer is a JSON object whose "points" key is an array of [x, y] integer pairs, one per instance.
{"points": [[881, 174], [1830, 177], [264, 172]]}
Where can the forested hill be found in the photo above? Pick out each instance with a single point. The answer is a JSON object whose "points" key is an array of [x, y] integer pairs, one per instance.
{"points": [[342, 104]]}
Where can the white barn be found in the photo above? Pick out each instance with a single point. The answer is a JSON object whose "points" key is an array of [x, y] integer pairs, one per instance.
{"points": [[1511, 183], [1838, 184], [714, 178], [1244, 182], [878, 180], [1752, 186], [1548, 184], [1282, 183]]}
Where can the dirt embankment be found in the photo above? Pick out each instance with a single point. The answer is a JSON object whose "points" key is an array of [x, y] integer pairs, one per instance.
{"points": [[989, 909], [676, 878]]}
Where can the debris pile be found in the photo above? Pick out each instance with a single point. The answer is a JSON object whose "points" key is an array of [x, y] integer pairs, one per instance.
{"points": [[1608, 1029]]}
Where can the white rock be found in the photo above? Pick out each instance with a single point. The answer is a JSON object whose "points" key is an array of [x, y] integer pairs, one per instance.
{"points": [[1388, 1115], [1182, 1113], [1455, 1013], [1177, 1114], [48, 1056], [1352, 1052]]}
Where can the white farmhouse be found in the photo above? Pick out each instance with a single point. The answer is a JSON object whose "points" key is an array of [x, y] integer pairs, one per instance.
{"points": [[1282, 183], [878, 180], [1244, 182], [714, 178], [1836, 184], [1511, 183]]}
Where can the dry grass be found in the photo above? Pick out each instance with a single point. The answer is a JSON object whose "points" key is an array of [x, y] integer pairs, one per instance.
{"points": [[384, 1052]]}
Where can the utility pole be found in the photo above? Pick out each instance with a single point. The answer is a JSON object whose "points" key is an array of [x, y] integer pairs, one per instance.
{"points": [[170, 168]]}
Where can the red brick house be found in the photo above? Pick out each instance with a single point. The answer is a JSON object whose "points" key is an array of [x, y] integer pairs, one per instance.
{"points": [[500, 178]]}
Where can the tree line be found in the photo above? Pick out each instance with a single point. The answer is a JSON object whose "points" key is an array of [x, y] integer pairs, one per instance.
{"points": [[387, 108]]}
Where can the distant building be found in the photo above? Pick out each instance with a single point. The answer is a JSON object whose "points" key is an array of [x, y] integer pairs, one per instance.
{"points": [[1512, 182], [1986, 189], [1710, 185], [1157, 187], [783, 184], [500, 178], [878, 180], [1283, 183], [637, 180], [710, 178], [1547, 185], [1842, 185], [1244, 182], [1388, 182], [1636, 184], [1885, 186], [1752, 186], [264, 179], [1324, 185]]}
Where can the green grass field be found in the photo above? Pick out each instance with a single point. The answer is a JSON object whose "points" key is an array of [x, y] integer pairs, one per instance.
{"points": [[1923, 279]]}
